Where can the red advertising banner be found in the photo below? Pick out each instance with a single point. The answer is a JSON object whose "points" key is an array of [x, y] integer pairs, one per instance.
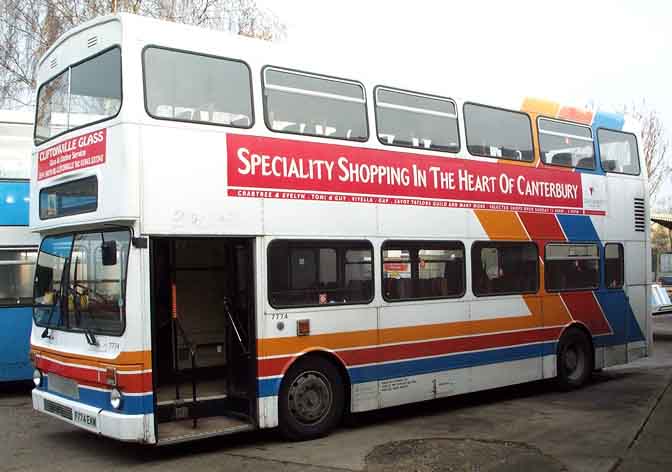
{"points": [[263, 167], [76, 153]]}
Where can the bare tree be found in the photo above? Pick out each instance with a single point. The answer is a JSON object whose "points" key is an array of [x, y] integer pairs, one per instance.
{"points": [[655, 145], [29, 27]]}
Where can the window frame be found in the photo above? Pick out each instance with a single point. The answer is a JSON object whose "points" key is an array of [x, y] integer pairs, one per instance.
{"points": [[416, 243], [622, 265], [202, 54], [600, 275], [466, 131], [74, 233], [69, 69], [639, 160], [320, 244], [485, 242], [39, 198], [581, 138], [422, 95], [33, 249], [316, 76]]}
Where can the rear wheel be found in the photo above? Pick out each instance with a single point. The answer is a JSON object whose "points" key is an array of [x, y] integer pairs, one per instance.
{"points": [[575, 359], [311, 399]]}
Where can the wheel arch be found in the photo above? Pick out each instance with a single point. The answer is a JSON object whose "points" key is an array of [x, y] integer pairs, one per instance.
{"points": [[332, 358], [577, 326]]}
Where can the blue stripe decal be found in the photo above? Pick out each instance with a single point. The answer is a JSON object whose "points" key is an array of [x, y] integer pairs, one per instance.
{"points": [[603, 119], [271, 387], [268, 387], [578, 228], [617, 308], [614, 303], [131, 405]]}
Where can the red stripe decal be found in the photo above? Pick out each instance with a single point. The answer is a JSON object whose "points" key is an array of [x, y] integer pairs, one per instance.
{"points": [[130, 383], [269, 367], [584, 307]]}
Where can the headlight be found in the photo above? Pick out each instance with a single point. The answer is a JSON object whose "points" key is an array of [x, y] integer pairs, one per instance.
{"points": [[37, 377], [115, 398]]}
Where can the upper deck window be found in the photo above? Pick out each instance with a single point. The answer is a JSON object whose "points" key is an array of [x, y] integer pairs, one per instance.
{"points": [[502, 134], [618, 152], [82, 94], [566, 144], [15, 149], [412, 120], [313, 105], [185, 86]]}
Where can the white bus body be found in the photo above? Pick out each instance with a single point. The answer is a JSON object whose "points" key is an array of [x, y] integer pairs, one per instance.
{"points": [[208, 203]]}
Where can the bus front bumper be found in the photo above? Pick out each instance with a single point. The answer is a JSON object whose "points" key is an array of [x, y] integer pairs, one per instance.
{"points": [[123, 427]]}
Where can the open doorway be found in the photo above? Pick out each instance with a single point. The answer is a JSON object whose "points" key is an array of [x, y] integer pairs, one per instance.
{"points": [[204, 348]]}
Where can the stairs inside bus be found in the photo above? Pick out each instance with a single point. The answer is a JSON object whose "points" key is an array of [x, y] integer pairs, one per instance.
{"points": [[204, 371]]}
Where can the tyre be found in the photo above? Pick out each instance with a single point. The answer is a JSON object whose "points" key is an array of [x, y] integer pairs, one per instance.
{"points": [[311, 399], [575, 359]]}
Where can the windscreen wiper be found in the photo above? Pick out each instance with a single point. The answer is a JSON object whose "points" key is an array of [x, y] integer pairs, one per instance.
{"points": [[90, 337], [77, 302], [59, 300]]}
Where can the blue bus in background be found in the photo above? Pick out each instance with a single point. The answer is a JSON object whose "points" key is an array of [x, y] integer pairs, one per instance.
{"points": [[18, 247]]}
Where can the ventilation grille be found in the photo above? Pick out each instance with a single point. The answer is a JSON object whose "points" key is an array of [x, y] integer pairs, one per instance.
{"points": [[640, 215], [53, 63], [92, 41], [58, 409]]}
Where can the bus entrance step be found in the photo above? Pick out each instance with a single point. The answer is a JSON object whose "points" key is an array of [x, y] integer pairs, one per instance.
{"points": [[182, 410], [183, 430]]}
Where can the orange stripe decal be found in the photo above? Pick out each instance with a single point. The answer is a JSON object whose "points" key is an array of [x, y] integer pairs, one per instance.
{"points": [[538, 106], [124, 361], [503, 225]]}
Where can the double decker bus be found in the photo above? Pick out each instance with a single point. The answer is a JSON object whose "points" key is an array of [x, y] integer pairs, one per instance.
{"points": [[236, 238], [18, 246]]}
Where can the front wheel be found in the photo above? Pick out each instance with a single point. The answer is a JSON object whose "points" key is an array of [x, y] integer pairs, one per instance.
{"points": [[575, 360], [311, 399]]}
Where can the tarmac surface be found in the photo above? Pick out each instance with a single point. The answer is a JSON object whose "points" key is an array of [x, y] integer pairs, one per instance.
{"points": [[621, 421]]}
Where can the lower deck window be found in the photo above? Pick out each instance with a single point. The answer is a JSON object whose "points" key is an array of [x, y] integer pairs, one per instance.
{"points": [[572, 267], [613, 265], [314, 273], [70, 198], [502, 268], [421, 270], [16, 276]]}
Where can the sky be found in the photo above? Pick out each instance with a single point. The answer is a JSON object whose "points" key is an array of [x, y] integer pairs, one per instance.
{"points": [[606, 53]]}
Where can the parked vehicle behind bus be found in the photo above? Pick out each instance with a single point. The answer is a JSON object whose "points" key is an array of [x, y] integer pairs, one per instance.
{"points": [[235, 237], [18, 246]]}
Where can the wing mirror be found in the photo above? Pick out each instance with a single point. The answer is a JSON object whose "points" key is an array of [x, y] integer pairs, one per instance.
{"points": [[109, 249]]}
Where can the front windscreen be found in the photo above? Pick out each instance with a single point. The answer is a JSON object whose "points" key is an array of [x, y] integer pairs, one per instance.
{"points": [[80, 282], [80, 95]]}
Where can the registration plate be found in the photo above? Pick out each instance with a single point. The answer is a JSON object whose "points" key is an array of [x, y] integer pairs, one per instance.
{"points": [[63, 386], [84, 419]]}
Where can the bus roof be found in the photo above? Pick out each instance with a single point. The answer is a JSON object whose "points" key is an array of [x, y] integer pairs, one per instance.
{"points": [[336, 63]]}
